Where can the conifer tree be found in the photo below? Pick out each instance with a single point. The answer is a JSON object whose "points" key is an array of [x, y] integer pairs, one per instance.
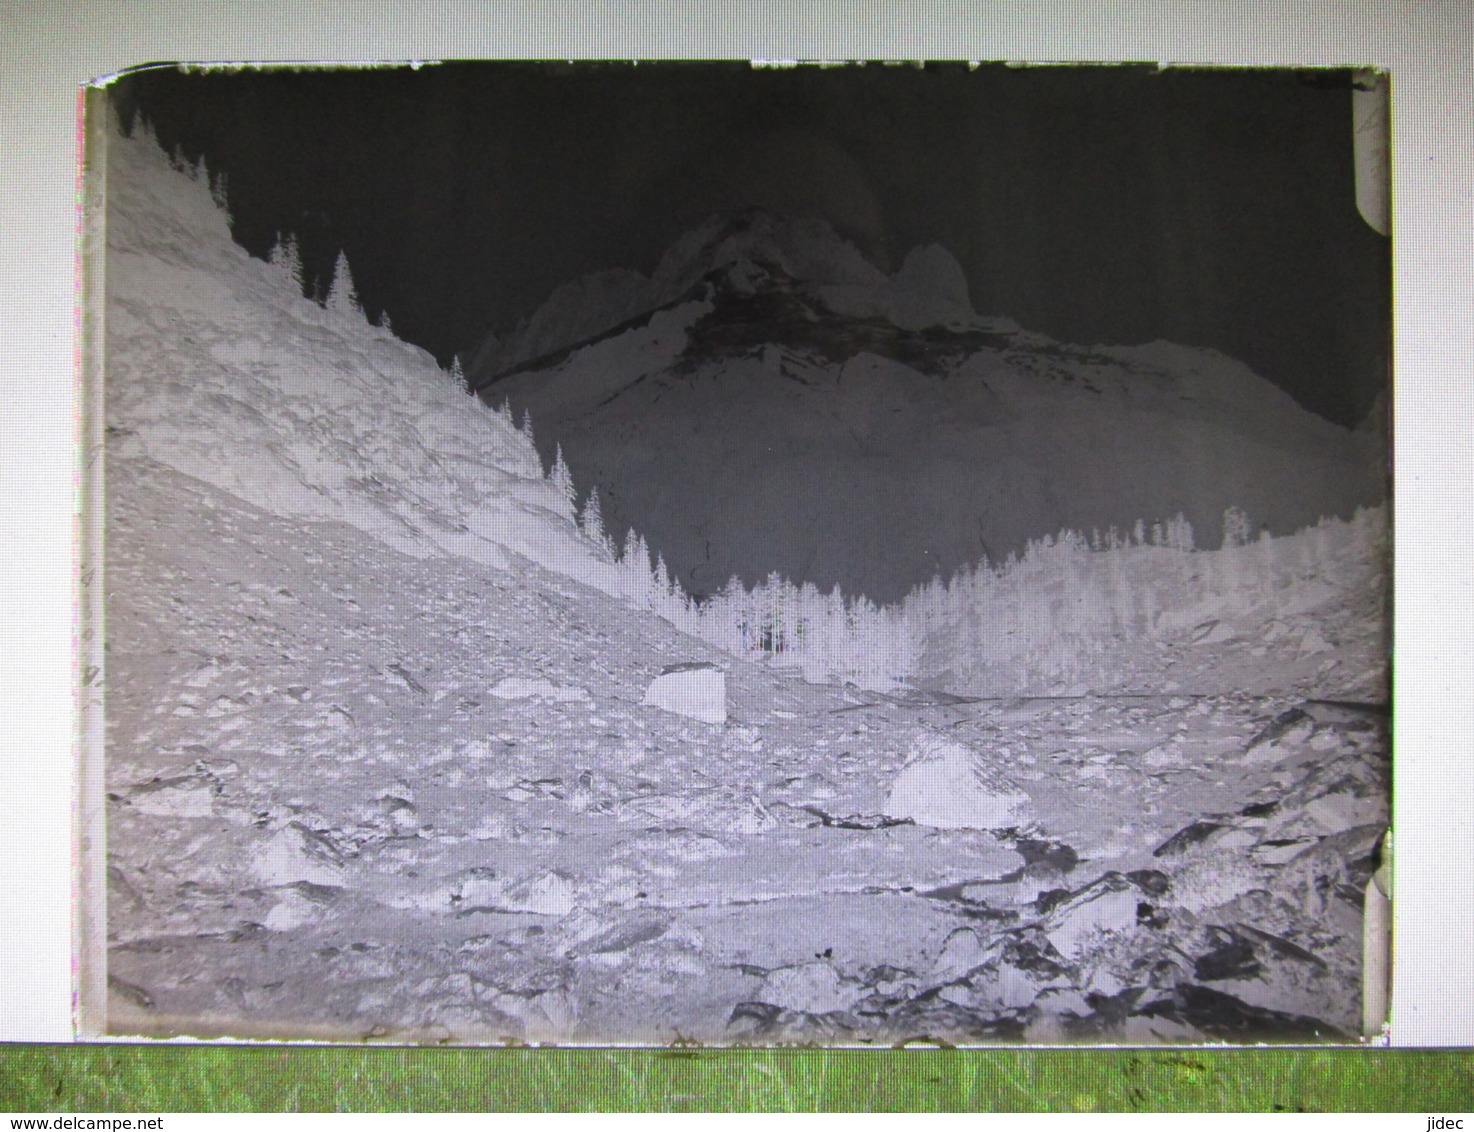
{"points": [[729, 609], [1179, 533], [809, 607], [772, 604], [342, 296], [457, 374], [218, 194], [591, 522], [287, 260], [791, 619], [639, 582], [636, 551], [562, 479], [143, 130], [1235, 527], [527, 427]]}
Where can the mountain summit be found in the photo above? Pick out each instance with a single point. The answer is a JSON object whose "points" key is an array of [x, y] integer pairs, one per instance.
{"points": [[770, 400], [803, 267]]}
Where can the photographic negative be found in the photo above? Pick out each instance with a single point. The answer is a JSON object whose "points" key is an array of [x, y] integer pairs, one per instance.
{"points": [[842, 555]]}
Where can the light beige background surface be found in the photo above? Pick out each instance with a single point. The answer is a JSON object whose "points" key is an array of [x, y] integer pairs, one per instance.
{"points": [[48, 50]]}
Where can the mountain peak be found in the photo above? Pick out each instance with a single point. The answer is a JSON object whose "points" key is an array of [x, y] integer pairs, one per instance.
{"points": [[745, 253], [804, 249]]}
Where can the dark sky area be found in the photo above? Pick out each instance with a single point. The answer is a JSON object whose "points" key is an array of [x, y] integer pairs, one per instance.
{"points": [[1108, 205]]}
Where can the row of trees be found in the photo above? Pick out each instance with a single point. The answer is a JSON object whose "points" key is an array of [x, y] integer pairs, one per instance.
{"points": [[198, 171], [828, 634], [341, 296], [1060, 611], [342, 299], [1071, 611]]}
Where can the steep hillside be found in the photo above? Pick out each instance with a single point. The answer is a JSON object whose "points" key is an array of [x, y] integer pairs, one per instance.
{"points": [[219, 368]]}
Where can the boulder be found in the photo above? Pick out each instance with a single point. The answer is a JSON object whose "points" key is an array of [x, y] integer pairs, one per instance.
{"points": [[947, 785], [1314, 642], [184, 797], [961, 953], [542, 894], [1286, 732], [1103, 908], [812, 988], [547, 895], [296, 853], [697, 690]]}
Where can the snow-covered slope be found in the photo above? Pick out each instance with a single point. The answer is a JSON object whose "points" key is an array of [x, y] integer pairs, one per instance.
{"points": [[769, 400], [219, 368]]}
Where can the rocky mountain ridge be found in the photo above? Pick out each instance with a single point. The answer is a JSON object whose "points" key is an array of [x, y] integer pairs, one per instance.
{"points": [[769, 400]]}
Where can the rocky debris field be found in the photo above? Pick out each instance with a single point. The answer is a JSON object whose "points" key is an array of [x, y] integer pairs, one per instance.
{"points": [[361, 795]]}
